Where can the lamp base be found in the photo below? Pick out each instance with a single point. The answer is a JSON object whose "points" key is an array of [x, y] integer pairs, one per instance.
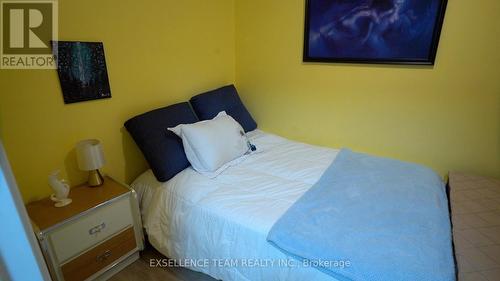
{"points": [[95, 178]]}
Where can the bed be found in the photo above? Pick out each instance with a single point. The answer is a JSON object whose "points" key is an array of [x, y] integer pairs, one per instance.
{"points": [[192, 218], [285, 210]]}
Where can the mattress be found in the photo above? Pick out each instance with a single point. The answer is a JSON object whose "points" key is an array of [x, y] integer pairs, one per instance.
{"points": [[219, 226]]}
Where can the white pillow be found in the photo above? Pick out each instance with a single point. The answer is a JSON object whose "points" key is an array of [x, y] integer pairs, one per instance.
{"points": [[212, 145]]}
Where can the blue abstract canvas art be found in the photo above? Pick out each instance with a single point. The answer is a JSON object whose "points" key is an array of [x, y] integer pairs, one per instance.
{"points": [[373, 31], [82, 71]]}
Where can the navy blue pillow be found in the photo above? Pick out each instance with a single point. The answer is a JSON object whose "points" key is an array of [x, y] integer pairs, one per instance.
{"points": [[162, 149], [208, 104]]}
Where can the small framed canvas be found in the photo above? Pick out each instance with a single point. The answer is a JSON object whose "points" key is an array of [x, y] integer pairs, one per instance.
{"points": [[82, 71], [373, 31]]}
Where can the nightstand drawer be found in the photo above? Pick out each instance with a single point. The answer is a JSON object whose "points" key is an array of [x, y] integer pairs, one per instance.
{"points": [[99, 257], [77, 236]]}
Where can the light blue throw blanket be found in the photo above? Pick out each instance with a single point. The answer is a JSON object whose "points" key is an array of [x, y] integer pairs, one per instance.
{"points": [[371, 218]]}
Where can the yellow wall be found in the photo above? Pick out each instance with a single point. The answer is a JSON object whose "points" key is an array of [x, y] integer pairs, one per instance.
{"points": [[446, 116], [157, 53]]}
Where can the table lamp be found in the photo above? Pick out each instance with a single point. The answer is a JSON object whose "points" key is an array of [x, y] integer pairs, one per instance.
{"points": [[90, 158]]}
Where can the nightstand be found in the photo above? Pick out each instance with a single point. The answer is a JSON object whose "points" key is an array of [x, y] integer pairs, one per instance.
{"points": [[92, 238]]}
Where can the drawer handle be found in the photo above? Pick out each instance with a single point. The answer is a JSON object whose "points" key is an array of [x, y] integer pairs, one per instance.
{"points": [[97, 229], [103, 257]]}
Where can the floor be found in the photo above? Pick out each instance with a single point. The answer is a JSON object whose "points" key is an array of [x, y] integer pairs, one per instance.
{"points": [[476, 223], [476, 220]]}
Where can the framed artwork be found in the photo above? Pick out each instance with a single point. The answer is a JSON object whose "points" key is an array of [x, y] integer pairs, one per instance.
{"points": [[373, 31], [82, 71]]}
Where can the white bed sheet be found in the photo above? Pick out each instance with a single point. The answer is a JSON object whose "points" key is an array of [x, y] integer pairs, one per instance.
{"points": [[219, 226]]}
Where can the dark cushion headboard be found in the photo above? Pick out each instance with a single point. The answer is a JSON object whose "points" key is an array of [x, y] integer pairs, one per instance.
{"points": [[162, 149], [208, 104]]}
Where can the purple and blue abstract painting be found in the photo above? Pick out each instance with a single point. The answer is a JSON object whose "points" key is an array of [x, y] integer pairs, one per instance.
{"points": [[378, 31]]}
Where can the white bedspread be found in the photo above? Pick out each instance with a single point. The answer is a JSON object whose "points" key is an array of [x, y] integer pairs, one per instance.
{"points": [[219, 226]]}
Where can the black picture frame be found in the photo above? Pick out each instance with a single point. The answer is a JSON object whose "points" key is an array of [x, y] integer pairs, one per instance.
{"points": [[82, 70], [428, 60]]}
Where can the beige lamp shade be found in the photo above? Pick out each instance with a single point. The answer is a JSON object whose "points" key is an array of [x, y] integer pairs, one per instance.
{"points": [[90, 155]]}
